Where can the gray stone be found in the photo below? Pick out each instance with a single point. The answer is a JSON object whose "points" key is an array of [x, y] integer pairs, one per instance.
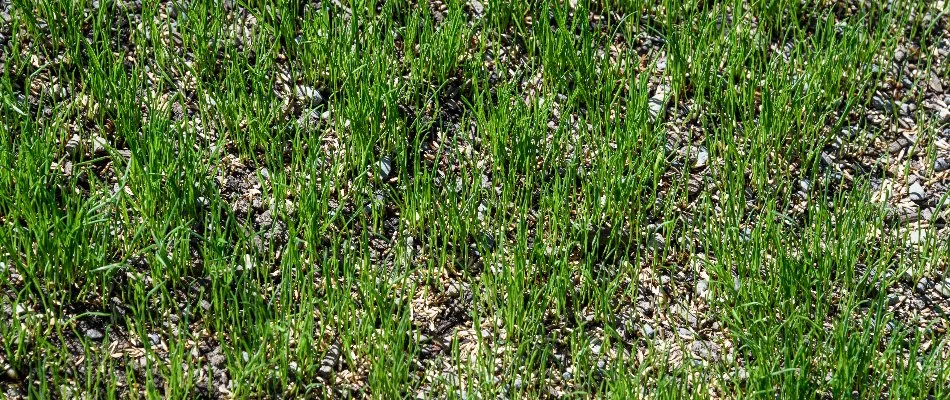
{"points": [[685, 333], [804, 185], [943, 115], [73, 143], [924, 284], [309, 94], [477, 7], [935, 84], [702, 288], [706, 350], [941, 164], [657, 103], [385, 168], [648, 331], [702, 157], [94, 334], [944, 288], [880, 104], [916, 192]]}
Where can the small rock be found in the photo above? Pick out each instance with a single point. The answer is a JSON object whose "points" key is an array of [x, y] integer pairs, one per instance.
{"points": [[518, 383], [325, 370], [685, 333], [452, 291], [924, 284], [695, 185], [648, 331], [878, 103], [935, 84], [99, 144], [154, 339], [944, 115], [916, 192], [908, 84], [11, 374], [900, 55], [309, 94], [73, 143], [742, 374], [702, 157], [804, 185], [944, 288], [205, 305], [898, 145], [94, 334], [488, 240], [477, 7], [941, 164], [482, 211], [385, 168], [706, 350], [893, 299], [567, 375], [657, 103], [217, 360], [702, 287]]}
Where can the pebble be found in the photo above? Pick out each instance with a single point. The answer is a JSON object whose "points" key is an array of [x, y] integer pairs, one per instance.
{"points": [[893, 299], [944, 288], [685, 333], [878, 103], [941, 164], [742, 374], [482, 211], [11, 374], [309, 93], [702, 287], [657, 102], [804, 185], [924, 284], [706, 350], [73, 143], [518, 383], [916, 192], [944, 115], [702, 157], [93, 334], [567, 375], [477, 7], [154, 338], [935, 84], [648, 331], [99, 144], [898, 145], [385, 168]]}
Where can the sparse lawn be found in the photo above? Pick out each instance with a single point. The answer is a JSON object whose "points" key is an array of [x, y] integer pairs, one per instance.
{"points": [[474, 200]]}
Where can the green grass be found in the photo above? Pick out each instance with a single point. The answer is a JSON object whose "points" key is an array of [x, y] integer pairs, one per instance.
{"points": [[164, 184]]}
